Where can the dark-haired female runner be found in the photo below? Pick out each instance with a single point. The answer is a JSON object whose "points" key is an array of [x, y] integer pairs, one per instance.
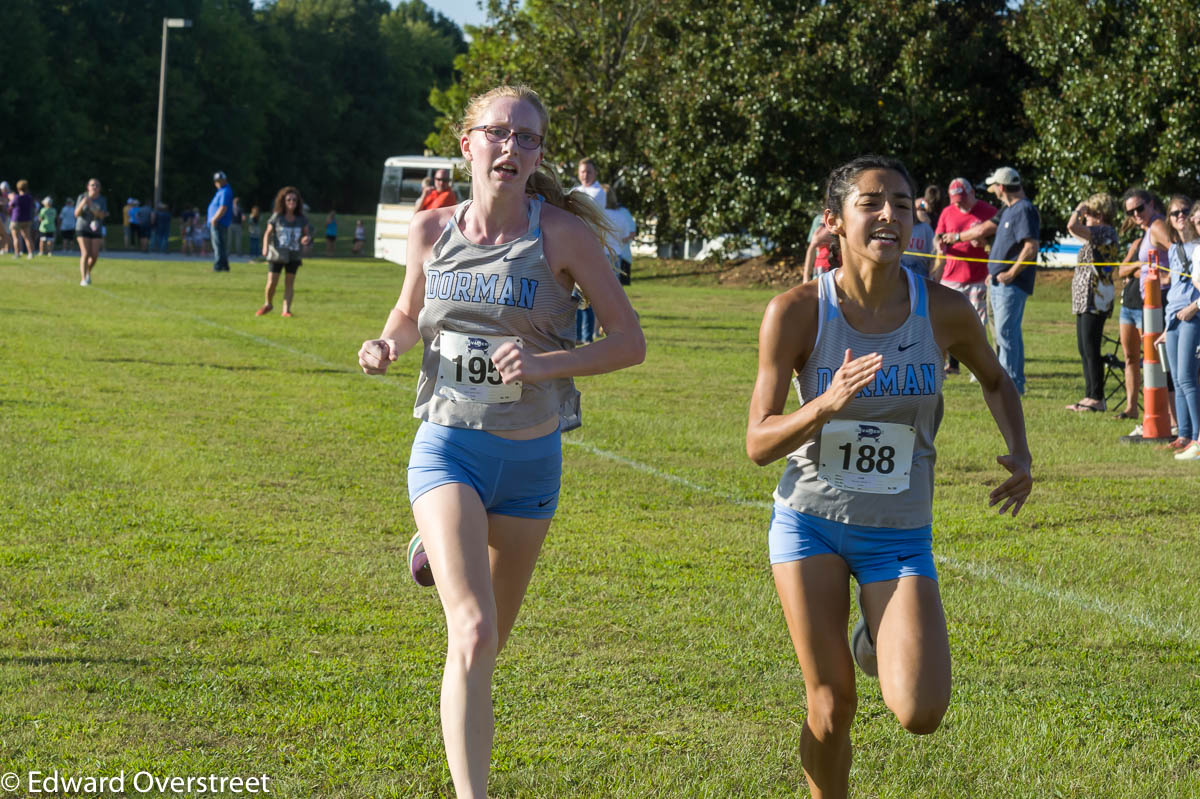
{"points": [[864, 344]]}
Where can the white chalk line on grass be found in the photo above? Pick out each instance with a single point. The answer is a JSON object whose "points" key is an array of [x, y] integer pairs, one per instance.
{"points": [[1135, 617], [1132, 616]]}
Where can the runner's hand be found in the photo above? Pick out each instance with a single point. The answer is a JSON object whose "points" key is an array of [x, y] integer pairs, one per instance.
{"points": [[1015, 490], [376, 355], [516, 364], [851, 377]]}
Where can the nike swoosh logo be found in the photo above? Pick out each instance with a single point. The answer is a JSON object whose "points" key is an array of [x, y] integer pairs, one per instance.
{"points": [[906, 557], [906, 346], [506, 258], [547, 502]]}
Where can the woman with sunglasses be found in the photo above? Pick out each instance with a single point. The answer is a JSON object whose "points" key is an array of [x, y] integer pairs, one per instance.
{"points": [[487, 293], [863, 345], [1181, 333], [1140, 212]]}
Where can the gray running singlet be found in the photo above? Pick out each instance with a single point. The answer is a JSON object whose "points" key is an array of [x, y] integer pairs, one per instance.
{"points": [[861, 476], [476, 293]]}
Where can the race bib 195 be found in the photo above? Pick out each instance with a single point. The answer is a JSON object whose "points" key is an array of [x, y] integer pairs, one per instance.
{"points": [[871, 457], [466, 371]]}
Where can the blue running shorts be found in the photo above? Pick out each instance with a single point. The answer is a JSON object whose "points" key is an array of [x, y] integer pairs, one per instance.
{"points": [[873, 554], [512, 478]]}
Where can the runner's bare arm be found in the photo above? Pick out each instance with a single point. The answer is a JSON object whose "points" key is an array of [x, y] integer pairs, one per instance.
{"points": [[785, 341], [400, 331], [957, 329]]}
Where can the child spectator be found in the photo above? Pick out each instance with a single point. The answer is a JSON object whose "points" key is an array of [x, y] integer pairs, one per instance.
{"points": [[254, 231], [360, 238], [47, 216]]}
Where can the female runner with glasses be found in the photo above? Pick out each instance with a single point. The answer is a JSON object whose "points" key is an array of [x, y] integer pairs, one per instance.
{"points": [[864, 345], [492, 306]]}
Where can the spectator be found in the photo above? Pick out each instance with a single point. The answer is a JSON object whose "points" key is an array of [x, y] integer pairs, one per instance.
{"points": [[220, 216], [22, 209], [1011, 270], [822, 254], [1182, 334], [90, 209], [588, 182], [127, 221], [162, 227], [1140, 213], [47, 216], [187, 221], [6, 242], [201, 235], [66, 222], [621, 239], [254, 231], [331, 230], [442, 194], [1092, 290], [966, 276], [929, 206], [287, 231], [360, 238], [140, 217], [920, 242], [235, 227]]}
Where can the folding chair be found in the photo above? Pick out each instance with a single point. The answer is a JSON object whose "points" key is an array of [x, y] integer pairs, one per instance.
{"points": [[1114, 368]]}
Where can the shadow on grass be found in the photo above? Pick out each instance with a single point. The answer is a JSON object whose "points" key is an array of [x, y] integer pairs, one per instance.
{"points": [[46, 660], [227, 367]]}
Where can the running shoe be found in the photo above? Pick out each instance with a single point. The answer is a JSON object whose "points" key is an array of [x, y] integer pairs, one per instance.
{"points": [[418, 562], [861, 645], [266, 309]]}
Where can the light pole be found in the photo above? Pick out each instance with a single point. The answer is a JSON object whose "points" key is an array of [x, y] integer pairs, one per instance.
{"points": [[168, 22]]}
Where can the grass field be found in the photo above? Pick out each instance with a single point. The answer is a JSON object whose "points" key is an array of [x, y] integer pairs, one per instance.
{"points": [[203, 520]]}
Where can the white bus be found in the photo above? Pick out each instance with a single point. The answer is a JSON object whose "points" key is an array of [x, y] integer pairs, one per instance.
{"points": [[398, 198]]}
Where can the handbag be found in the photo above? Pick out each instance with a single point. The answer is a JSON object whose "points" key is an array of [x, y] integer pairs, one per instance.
{"points": [[1103, 294]]}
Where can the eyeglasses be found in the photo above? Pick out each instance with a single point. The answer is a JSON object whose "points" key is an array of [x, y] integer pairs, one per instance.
{"points": [[499, 135], [1179, 212], [1137, 209]]}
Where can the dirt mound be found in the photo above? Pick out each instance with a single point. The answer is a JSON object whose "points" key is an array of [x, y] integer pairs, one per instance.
{"points": [[764, 270]]}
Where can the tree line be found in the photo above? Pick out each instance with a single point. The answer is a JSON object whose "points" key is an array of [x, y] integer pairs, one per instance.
{"points": [[716, 117], [312, 93]]}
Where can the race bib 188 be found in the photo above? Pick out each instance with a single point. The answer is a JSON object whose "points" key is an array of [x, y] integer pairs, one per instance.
{"points": [[466, 371], [871, 457]]}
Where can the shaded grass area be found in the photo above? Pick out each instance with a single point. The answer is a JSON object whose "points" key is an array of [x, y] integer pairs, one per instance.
{"points": [[203, 517]]}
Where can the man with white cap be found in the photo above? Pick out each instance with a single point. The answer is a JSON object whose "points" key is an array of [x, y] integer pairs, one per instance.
{"points": [[220, 216], [964, 212], [1011, 270]]}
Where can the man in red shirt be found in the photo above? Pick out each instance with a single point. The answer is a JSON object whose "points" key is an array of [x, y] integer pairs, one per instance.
{"points": [[442, 195], [969, 277]]}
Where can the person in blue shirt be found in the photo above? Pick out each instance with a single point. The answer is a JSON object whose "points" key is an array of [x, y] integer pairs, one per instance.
{"points": [[1011, 271], [220, 215]]}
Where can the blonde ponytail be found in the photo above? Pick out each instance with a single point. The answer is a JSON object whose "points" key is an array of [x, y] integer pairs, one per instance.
{"points": [[543, 182]]}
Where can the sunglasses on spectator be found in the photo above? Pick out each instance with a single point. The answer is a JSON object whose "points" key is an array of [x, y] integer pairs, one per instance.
{"points": [[1137, 209], [1179, 212], [440, 180], [499, 135]]}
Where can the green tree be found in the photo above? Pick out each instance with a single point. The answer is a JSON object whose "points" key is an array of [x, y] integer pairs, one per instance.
{"points": [[726, 117], [1117, 105]]}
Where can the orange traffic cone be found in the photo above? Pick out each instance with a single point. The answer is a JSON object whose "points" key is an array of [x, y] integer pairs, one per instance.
{"points": [[1156, 421]]}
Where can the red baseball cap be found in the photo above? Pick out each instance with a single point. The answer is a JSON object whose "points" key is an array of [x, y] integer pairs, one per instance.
{"points": [[959, 186]]}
